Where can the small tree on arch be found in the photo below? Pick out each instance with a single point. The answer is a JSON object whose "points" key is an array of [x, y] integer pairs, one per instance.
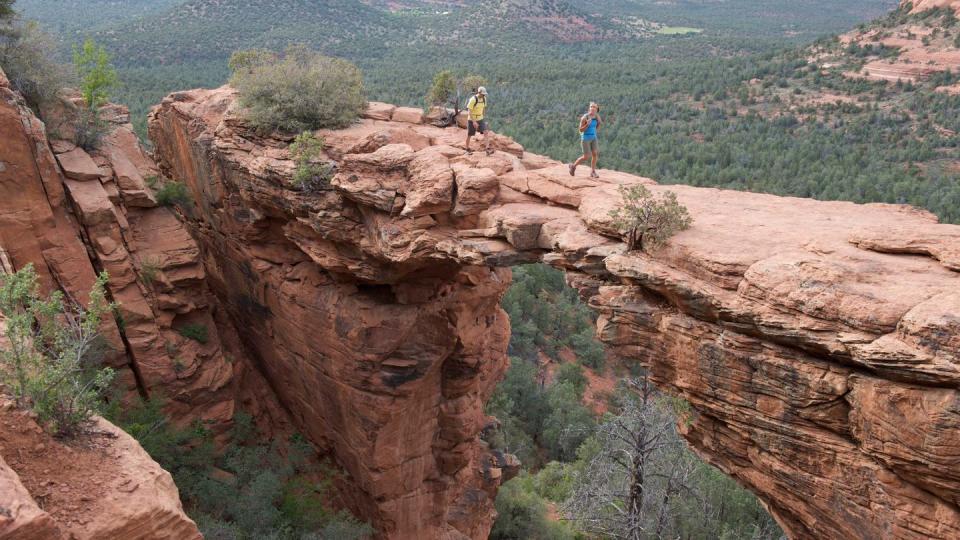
{"points": [[448, 91], [647, 220]]}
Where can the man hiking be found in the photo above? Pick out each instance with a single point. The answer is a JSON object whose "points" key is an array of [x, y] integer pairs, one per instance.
{"points": [[476, 106], [588, 140]]}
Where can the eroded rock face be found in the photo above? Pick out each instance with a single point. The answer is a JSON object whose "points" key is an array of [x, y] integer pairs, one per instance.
{"points": [[917, 59], [384, 350], [819, 352], [73, 213]]}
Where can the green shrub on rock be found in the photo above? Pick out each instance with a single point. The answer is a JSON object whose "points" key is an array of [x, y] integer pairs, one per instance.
{"points": [[97, 75], [312, 173], [173, 193], [196, 332], [299, 90], [53, 349], [97, 78], [647, 220], [28, 57]]}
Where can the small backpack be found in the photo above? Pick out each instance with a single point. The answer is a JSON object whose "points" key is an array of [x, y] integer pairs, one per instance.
{"points": [[474, 97]]}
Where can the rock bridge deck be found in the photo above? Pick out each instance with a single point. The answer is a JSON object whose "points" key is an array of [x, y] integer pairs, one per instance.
{"points": [[817, 342]]}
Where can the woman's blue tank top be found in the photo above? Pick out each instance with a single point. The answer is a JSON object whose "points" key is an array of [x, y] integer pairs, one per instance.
{"points": [[590, 133]]}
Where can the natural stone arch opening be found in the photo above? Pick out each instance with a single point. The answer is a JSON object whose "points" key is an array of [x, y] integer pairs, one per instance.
{"points": [[803, 333]]}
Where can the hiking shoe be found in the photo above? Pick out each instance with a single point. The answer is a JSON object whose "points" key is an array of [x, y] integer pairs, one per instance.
{"points": [[593, 174], [469, 151], [573, 169], [489, 151]]}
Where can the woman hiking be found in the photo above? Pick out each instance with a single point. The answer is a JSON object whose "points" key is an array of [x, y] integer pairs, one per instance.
{"points": [[588, 140]]}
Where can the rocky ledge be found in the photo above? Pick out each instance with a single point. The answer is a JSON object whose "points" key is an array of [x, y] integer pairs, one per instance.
{"points": [[817, 342], [102, 485]]}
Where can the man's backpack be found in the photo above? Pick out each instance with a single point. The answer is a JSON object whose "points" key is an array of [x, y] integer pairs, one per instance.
{"points": [[475, 99]]}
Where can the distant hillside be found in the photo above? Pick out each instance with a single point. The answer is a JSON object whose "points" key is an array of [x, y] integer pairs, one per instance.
{"points": [[888, 94], [796, 19], [198, 30], [914, 44], [923, 5], [67, 17], [166, 32]]}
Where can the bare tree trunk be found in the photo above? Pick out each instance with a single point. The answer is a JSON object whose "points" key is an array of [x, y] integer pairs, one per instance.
{"points": [[635, 500]]}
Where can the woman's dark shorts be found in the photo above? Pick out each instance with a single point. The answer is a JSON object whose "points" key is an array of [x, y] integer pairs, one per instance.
{"points": [[481, 127]]}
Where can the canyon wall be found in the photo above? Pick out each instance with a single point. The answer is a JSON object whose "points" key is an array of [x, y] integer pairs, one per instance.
{"points": [[73, 213], [384, 359], [816, 342]]}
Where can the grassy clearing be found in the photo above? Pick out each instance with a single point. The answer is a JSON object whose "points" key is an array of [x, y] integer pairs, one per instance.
{"points": [[678, 30]]}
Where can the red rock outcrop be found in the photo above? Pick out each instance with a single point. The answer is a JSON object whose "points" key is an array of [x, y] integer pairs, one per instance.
{"points": [[817, 342], [385, 357], [924, 5], [922, 49], [103, 486], [72, 213]]}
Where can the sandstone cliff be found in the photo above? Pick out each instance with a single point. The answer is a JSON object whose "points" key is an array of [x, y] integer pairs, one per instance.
{"points": [[817, 342], [386, 359], [72, 213]]}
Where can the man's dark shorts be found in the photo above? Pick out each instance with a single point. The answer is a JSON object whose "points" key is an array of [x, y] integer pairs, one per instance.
{"points": [[481, 127]]}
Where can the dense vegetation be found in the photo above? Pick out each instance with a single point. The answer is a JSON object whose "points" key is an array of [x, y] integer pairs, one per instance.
{"points": [[546, 315], [564, 445], [28, 57], [251, 490]]}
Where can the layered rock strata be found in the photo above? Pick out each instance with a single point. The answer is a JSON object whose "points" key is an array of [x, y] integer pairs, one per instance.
{"points": [[386, 360], [817, 342], [922, 49], [73, 213], [919, 6]]}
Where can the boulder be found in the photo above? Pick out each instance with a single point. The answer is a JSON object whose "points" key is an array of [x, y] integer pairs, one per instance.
{"points": [[431, 186], [77, 165], [108, 488], [132, 186], [379, 111], [476, 190], [21, 518], [410, 115], [92, 202]]}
